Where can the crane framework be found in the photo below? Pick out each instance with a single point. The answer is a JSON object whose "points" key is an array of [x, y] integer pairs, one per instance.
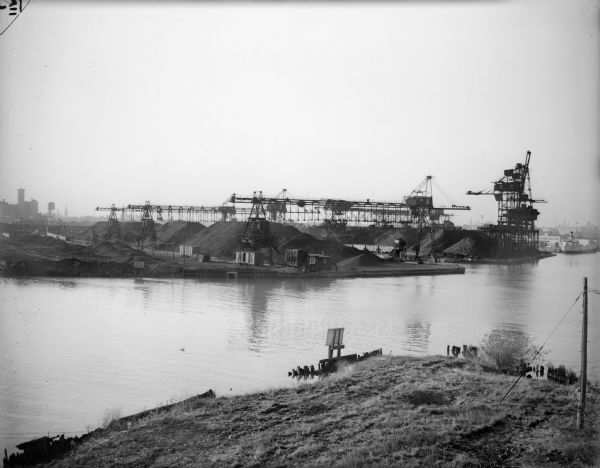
{"points": [[515, 231], [414, 209], [417, 209]]}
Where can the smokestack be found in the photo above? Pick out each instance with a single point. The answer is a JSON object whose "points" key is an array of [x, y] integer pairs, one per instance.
{"points": [[21, 196]]}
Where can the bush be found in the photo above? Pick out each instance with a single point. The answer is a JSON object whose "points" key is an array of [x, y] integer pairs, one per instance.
{"points": [[505, 350], [109, 417]]}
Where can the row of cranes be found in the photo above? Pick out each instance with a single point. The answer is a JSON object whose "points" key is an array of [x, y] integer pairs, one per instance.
{"points": [[417, 210], [514, 232]]}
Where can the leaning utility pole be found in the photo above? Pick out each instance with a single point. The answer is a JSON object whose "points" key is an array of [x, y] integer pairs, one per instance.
{"points": [[581, 408]]}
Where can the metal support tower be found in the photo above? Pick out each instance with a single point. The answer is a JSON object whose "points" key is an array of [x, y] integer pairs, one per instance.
{"points": [[420, 202], [113, 229], [515, 232], [257, 234], [146, 227]]}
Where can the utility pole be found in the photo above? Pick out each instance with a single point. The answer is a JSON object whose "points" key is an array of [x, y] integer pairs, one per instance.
{"points": [[583, 377]]}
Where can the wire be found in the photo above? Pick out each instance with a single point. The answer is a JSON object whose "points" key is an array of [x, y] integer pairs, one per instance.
{"points": [[15, 18], [543, 344]]}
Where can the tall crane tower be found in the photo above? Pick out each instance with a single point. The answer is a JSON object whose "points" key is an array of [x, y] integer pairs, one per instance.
{"points": [[257, 234], [515, 231], [112, 230], [146, 227]]}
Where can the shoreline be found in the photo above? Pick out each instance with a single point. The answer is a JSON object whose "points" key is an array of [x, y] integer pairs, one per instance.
{"points": [[507, 261], [77, 268], [391, 410]]}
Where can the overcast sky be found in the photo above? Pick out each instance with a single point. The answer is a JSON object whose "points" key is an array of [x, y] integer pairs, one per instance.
{"points": [[186, 103]]}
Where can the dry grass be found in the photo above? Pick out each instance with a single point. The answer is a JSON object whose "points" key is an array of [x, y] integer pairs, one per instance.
{"points": [[390, 411], [109, 417]]}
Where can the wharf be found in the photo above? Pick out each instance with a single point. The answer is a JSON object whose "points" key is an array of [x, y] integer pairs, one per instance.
{"points": [[398, 269]]}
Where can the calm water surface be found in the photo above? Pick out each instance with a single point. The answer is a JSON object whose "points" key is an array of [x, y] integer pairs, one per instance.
{"points": [[72, 349]]}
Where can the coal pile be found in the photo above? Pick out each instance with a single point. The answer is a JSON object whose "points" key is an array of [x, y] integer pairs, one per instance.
{"points": [[443, 241], [128, 229], [371, 235], [50, 246], [177, 232], [331, 248], [363, 260], [114, 250], [222, 240], [475, 244]]}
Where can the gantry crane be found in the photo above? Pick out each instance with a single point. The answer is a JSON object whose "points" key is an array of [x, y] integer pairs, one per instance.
{"points": [[424, 214], [414, 209], [257, 234], [186, 213], [112, 229]]}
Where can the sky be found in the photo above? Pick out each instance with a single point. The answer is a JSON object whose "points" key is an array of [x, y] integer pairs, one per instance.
{"points": [[185, 103]]}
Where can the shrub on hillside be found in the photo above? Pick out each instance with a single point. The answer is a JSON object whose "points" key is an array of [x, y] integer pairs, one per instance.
{"points": [[505, 350]]}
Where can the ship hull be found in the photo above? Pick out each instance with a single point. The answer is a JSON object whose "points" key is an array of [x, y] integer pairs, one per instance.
{"points": [[582, 251]]}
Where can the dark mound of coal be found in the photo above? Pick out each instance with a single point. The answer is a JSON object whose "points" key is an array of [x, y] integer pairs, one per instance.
{"points": [[128, 231], [222, 240], [476, 244], [332, 248], [371, 235], [114, 250], [177, 232], [42, 241], [362, 260]]}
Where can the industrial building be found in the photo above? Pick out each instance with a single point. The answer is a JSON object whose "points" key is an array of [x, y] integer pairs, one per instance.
{"points": [[23, 210]]}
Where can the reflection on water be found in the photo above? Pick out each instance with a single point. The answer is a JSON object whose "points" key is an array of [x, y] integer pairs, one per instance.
{"points": [[261, 298], [417, 336], [73, 348], [256, 297], [144, 290]]}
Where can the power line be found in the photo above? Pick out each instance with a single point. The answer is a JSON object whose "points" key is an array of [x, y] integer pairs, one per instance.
{"points": [[543, 344]]}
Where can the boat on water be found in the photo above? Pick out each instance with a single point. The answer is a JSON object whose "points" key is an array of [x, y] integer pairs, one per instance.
{"points": [[578, 246]]}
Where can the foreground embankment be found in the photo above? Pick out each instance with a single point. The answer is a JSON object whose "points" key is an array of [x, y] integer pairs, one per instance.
{"points": [[389, 411]]}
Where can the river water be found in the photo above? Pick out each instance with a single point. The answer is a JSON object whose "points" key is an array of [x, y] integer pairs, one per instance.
{"points": [[73, 349]]}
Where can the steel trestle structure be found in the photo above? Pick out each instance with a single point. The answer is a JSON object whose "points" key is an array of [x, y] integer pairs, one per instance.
{"points": [[416, 210]]}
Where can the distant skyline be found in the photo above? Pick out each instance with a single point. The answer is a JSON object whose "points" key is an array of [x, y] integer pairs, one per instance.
{"points": [[185, 103]]}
